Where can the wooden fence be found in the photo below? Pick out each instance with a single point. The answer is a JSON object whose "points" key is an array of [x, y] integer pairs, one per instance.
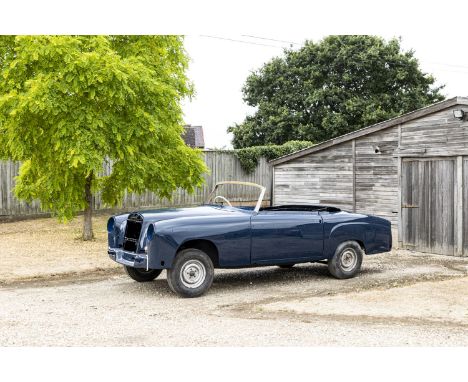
{"points": [[223, 166]]}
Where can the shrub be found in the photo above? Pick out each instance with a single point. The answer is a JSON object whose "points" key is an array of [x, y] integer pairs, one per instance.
{"points": [[249, 156]]}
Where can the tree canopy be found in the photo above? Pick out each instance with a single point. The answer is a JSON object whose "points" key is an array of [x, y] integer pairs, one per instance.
{"points": [[330, 88], [69, 104]]}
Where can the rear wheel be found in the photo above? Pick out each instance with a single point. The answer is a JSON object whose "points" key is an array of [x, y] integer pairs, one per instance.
{"points": [[142, 275], [347, 260], [191, 274]]}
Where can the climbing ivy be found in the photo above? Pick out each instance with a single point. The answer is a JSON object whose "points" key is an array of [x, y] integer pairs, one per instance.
{"points": [[249, 156]]}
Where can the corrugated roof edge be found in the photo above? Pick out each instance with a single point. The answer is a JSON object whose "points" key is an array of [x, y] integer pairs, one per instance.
{"points": [[435, 107]]}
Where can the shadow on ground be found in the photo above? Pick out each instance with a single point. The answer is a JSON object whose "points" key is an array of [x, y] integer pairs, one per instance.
{"points": [[262, 277]]}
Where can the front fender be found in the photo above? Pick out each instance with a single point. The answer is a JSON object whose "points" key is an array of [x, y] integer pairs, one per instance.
{"points": [[162, 248], [230, 235], [115, 233]]}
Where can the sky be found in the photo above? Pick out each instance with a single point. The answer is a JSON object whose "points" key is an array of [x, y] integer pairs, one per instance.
{"points": [[436, 31], [219, 67]]}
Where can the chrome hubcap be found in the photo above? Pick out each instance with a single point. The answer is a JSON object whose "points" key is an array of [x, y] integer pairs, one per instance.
{"points": [[348, 259], [192, 274]]}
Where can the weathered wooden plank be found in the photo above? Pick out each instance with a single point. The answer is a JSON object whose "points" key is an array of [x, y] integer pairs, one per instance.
{"points": [[458, 210], [465, 206], [399, 202], [429, 187], [223, 166], [326, 179], [377, 174]]}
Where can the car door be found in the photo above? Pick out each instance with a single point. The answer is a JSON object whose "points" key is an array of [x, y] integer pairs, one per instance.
{"points": [[282, 236]]}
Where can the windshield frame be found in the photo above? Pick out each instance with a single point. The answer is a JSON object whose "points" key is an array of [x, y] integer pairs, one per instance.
{"points": [[260, 197]]}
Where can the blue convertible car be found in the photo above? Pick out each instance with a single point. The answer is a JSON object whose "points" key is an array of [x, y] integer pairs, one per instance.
{"points": [[191, 242]]}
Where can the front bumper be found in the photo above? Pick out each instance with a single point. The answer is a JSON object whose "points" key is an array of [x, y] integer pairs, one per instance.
{"points": [[129, 259]]}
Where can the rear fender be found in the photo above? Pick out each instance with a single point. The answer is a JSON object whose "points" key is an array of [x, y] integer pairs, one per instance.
{"points": [[360, 232]]}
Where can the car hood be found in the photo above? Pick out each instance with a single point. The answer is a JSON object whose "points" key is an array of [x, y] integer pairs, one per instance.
{"points": [[165, 214], [152, 216]]}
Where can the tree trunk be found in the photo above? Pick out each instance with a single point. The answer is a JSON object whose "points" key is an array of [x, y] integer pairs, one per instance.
{"points": [[88, 212]]}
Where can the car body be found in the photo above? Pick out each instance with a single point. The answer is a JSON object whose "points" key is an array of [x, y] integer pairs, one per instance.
{"points": [[243, 236]]}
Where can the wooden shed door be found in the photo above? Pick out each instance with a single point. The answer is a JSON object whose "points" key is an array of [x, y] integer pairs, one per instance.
{"points": [[427, 205]]}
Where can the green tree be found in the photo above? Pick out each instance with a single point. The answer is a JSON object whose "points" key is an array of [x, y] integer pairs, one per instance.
{"points": [[71, 104], [330, 88]]}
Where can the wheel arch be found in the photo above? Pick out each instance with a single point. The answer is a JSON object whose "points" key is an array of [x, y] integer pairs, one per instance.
{"points": [[337, 243], [204, 245], [343, 232], [361, 244]]}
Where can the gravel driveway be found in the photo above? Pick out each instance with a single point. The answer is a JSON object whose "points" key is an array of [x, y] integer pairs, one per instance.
{"points": [[398, 299]]}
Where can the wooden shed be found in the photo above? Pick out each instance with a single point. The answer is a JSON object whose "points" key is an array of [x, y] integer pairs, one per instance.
{"points": [[412, 170]]}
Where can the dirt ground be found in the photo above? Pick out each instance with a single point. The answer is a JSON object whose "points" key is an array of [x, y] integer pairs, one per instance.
{"points": [[44, 248], [65, 292]]}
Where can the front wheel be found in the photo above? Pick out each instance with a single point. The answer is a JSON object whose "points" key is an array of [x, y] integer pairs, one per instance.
{"points": [[347, 260], [142, 275], [191, 274]]}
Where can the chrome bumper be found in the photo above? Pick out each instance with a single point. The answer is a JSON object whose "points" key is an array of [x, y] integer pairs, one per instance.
{"points": [[128, 258]]}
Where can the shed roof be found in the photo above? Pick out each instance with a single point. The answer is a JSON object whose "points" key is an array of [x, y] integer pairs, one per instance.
{"points": [[193, 136], [373, 128]]}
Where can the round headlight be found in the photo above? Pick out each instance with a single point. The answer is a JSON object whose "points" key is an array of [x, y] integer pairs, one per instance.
{"points": [[150, 232], [111, 225]]}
